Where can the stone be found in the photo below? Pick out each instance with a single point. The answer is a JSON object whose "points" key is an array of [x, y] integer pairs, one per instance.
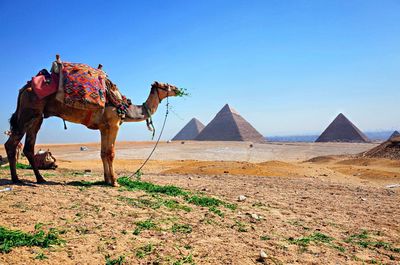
{"points": [[262, 256], [242, 198]]}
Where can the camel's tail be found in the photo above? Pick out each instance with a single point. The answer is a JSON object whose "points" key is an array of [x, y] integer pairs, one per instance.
{"points": [[14, 117]]}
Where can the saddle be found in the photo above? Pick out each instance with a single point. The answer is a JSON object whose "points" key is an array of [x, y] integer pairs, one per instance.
{"points": [[44, 83], [82, 87]]}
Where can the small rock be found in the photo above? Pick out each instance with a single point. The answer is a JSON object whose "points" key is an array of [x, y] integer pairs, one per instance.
{"points": [[392, 186], [255, 217], [242, 198], [363, 199], [88, 170], [262, 256]]}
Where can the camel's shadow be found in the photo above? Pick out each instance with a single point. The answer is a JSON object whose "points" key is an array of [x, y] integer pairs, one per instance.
{"points": [[29, 183], [8, 182]]}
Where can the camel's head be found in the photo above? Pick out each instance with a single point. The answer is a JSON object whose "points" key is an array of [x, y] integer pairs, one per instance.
{"points": [[164, 90]]}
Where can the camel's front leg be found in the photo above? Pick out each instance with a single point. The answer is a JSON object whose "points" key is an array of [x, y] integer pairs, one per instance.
{"points": [[29, 149], [108, 137]]}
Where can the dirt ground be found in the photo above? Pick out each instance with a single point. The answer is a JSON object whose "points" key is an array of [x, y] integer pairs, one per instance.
{"points": [[306, 204]]}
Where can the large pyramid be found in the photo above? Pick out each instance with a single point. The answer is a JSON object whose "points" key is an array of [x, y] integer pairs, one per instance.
{"points": [[190, 130], [342, 130], [394, 134], [228, 125]]}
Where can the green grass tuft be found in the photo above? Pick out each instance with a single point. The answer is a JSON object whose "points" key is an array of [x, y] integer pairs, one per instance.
{"points": [[119, 261], [185, 260], [41, 256], [150, 187], [315, 237], [144, 251], [155, 202], [19, 166], [16, 238], [217, 211], [304, 242], [143, 225], [363, 240], [181, 228], [87, 184], [206, 201]]}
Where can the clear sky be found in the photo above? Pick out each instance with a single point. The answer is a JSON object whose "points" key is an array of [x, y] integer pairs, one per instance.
{"points": [[289, 67]]}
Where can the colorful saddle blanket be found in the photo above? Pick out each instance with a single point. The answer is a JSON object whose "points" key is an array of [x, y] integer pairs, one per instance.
{"points": [[84, 86]]}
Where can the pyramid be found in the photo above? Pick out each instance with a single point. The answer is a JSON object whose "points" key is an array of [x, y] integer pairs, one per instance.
{"points": [[228, 125], [342, 130], [394, 134], [190, 130]]}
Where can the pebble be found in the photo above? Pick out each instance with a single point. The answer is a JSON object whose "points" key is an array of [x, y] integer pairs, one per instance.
{"points": [[242, 198], [263, 255]]}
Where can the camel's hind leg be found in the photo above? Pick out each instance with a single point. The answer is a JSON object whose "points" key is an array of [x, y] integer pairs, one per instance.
{"points": [[11, 149], [29, 148]]}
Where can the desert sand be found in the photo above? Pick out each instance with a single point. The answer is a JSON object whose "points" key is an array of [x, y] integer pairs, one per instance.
{"points": [[306, 203]]}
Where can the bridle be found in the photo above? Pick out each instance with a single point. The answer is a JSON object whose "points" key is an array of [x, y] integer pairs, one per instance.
{"points": [[149, 120], [162, 88]]}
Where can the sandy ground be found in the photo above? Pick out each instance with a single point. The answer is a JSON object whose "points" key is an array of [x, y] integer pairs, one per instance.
{"points": [[340, 197], [212, 151]]}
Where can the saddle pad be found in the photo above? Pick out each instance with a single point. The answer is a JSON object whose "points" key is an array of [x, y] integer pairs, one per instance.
{"points": [[43, 89], [83, 86]]}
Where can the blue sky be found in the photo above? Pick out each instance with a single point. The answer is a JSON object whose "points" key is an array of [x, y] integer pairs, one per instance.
{"points": [[289, 67]]}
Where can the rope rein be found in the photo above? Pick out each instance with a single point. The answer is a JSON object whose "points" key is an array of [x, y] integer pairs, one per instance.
{"points": [[137, 172]]}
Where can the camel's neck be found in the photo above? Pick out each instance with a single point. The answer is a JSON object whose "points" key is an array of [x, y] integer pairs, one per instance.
{"points": [[140, 112], [152, 101]]}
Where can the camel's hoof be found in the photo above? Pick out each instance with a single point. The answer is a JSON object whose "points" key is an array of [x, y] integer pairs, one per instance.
{"points": [[40, 180], [115, 184], [17, 181]]}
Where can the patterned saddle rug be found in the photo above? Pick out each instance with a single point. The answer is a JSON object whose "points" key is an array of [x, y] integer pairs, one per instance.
{"points": [[84, 86]]}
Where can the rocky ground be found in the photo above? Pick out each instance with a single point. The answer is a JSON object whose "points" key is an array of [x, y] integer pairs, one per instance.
{"points": [[327, 210]]}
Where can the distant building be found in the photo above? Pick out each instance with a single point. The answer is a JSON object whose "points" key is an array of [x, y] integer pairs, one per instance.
{"points": [[342, 130], [228, 125], [190, 130], [394, 134]]}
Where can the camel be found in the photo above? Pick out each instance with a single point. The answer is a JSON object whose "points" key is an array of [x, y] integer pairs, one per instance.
{"points": [[31, 111]]}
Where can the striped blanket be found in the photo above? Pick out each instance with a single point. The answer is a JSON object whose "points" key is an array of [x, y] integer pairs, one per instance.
{"points": [[84, 86]]}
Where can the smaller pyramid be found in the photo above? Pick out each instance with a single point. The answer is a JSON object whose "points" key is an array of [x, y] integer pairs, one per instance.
{"points": [[342, 130], [394, 134], [228, 125], [190, 130]]}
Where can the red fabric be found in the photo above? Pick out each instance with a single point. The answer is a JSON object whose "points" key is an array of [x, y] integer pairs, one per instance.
{"points": [[41, 88]]}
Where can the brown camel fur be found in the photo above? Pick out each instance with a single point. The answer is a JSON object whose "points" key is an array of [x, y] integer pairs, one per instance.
{"points": [[31, 111]]}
